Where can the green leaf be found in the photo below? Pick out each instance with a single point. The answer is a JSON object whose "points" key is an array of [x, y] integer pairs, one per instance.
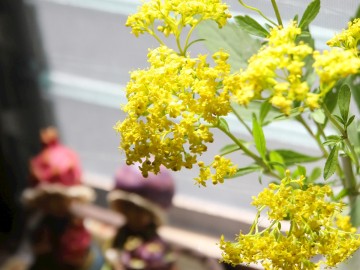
{"points": [[344, 101], [296, 18], [344, 192], [251, 26], [354, 83], [318, 116], [277, 161], [227, 149], [340, 120], [232, 39], [331, 162], [223, 124], [264, 110], [245, 170], [315, 174], [310, 14], [259, 137], [291, 157], [351, 119], [354, 135], [332, 140], [301, 170], [331, 100]]}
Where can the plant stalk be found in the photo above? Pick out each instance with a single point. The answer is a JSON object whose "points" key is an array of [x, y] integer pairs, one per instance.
{"points": [[277, 13]]}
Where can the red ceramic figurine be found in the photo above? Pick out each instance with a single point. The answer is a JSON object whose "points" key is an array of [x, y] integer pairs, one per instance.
{"points": [[59, 239]]}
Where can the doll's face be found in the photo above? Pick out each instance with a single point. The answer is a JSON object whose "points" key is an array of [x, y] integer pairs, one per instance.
{"points": [[137, 217], [55, 204]]}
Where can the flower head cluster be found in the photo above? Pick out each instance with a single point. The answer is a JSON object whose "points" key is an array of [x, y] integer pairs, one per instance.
{"points": [[315, 229], [334, 65], [168, 104], [172, 15], [349, 38], [222, 166], [276, 70]]}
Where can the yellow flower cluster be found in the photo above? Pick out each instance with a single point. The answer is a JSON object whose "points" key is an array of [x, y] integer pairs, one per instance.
{"points": [[334, 65], [172, 15], [349, 38], [168, 104], [223, 168], [315, 229], [275, 71]]}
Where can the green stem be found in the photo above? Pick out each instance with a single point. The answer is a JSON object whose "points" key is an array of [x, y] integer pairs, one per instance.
{"points": [[249, 153], [179, 45], [344, 134], [241, 120], [316, 138], [258, 11], [350, 181], [277, 13], [156, 36], [188, 36]]}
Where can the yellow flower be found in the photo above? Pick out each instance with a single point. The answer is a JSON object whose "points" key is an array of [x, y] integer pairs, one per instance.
{"points": [[223, 167], [277, 70], [315, 229], [171, 16], [349, 38], [168, 104], [334, 65]]}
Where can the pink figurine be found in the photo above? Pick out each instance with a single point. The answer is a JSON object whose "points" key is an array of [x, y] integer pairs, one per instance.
{"points": [[59, 240]]}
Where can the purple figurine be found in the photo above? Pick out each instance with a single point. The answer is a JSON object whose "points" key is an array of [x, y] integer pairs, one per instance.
{"points": [[143, 202]]}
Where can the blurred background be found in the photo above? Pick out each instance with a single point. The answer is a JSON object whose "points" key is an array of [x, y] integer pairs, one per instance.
{"points": [[66, 63]]}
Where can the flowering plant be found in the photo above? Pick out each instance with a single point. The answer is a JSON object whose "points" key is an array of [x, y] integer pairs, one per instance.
{"points": [[175, 103]]}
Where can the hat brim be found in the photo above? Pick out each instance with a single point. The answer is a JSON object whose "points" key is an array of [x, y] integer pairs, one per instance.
{"points": [[31, 196], [116, 196]]}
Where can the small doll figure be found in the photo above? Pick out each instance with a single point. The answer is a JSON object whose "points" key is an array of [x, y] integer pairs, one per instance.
{"points": [[59, 240], [143, 202]]}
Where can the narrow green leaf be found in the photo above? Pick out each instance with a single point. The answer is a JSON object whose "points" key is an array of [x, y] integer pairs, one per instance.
{"points": [[310, 14], [331, 100], [277, 161], [194, 41], [227, 149], [223, 124], [301, 170], [259, 137], [251, 26], [264, 110], [245, 170], [344, 192], [318, 116], [344, 101], [351, 119], [340, 120], [353, 82], [291, 157], [315, 174], [331, 162], [296, 18]]}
